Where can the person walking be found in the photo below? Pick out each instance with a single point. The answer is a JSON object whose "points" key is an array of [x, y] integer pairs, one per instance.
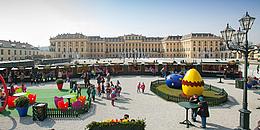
{"points": [[93, 93], [10, 80], [22, 76], [88, 91], [194, 99], [99, 90], [203, 111], [67, 77], [102, 84], [113, 96], [86, 79], [138, 87], [143, 87], [108, 90], [108, 77]]}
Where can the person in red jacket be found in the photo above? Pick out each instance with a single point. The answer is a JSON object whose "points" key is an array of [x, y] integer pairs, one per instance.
{"points": [[143, 87]]}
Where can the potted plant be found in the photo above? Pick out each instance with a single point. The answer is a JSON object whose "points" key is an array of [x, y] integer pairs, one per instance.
{"points": [[59, 83], [22, 104]]}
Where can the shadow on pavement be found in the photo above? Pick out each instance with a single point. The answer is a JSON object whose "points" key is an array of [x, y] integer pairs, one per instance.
{"points": [[230, 103], [101, 103], [212, 126], [14, 123], [47, 123], [125, 93], [26, 120], [120, 107], [149, 94], [123, 100], [91, 112]]}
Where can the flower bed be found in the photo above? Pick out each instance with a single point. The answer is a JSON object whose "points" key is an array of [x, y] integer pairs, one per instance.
{"points": [[122, 124]]}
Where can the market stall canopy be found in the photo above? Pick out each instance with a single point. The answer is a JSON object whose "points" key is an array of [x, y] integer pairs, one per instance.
{"points": [[1, 69], [28, 68], [14, 68]]}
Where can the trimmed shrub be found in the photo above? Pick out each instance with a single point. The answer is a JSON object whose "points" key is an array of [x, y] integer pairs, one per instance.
{"points": [[117, 125], [59, 81], [22, 101]]}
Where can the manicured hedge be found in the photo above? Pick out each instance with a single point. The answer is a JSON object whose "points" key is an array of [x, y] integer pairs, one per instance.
{"points": [[124, 125]]}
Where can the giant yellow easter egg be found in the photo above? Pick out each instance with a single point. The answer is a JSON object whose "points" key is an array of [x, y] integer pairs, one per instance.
{"points": [[192, 83]]}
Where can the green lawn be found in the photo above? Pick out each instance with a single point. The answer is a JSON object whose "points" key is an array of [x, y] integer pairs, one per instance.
{"points": [[42, 95], [176, 92]]}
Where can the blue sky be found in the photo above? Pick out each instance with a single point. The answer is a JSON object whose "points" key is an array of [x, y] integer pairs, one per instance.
{"points": [[36, 21]]}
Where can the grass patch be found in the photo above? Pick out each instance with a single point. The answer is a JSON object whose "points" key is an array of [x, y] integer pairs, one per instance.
{"points": [[176, 92], [42, 95]]}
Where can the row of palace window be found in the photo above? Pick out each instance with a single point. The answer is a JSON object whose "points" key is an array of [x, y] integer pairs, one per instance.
{"points": [[194, 43], [205, 49], [16, 52], [101, 44], [111, 50], [136, 44]]}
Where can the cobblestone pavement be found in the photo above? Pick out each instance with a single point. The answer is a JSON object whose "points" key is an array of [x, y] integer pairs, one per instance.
{"points": [[158, 113]]}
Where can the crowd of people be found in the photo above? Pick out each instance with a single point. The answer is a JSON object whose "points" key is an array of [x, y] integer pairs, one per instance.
{"points": [[104, 87]]}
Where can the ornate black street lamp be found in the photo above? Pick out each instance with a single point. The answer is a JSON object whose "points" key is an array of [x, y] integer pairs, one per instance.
{"points": [[235, 42]]}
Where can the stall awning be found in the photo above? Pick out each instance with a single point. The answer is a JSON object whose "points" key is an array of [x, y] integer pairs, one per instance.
{"points": [[1, 69], [53, 67], [28, 68], [14, 68]]}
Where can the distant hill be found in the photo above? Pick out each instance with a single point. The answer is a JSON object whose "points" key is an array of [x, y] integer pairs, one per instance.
{"points": [[44, 48]]}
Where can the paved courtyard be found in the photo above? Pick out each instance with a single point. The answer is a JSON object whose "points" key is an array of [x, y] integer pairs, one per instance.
{"points": [[158, 113]]}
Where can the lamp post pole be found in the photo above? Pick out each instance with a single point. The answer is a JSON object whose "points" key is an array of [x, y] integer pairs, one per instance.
{"points": [[236, 42], [244, 112]]}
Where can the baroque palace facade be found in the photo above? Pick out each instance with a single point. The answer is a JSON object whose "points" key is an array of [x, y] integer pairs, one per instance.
{"points": [[194, 45]]}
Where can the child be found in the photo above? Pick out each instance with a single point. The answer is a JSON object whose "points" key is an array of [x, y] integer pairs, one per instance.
{"points": [[194, 99], [138, 87], [108, 90], [203, 111], [113, 96], [99, 90], [119, 88], [74, 88], [78, 90], [24, 88], [143, 87]]}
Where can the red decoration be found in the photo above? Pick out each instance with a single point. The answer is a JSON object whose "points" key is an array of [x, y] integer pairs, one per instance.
{"points": [[63, 106], [10, 101], [6, 93], [32, 98], [193, 84]]}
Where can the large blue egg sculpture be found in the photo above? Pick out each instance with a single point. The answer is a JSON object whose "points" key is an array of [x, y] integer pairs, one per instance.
{"points": [[174, 81]]}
